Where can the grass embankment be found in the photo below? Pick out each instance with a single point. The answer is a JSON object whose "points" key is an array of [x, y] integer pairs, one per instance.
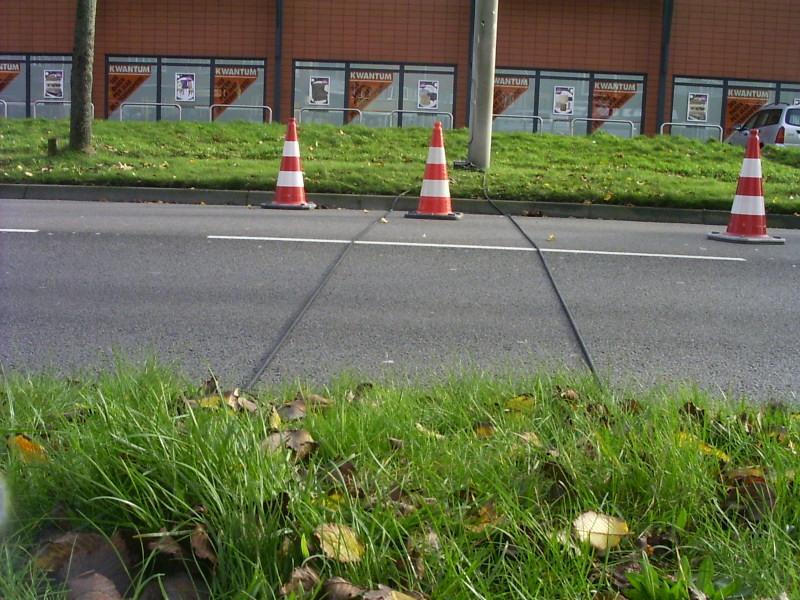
{"points": [[466, 489], [645, 171]]}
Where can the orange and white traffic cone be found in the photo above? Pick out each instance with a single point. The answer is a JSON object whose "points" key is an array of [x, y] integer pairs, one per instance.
{"points": [[290, 193], [748, 222], [434, 199]]}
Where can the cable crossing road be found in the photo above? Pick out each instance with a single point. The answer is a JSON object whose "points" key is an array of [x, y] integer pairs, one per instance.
{"points": [[267, 296]]}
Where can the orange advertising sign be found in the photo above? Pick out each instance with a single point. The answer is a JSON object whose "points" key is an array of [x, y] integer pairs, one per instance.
{"points": [[8, 72], [230, 83], [609, 96], [741, 104], [364, 87], [507, 90], [123, 81]]}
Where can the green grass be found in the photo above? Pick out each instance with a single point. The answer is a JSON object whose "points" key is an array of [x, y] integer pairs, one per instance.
{"points": [[644, 171], [125, 453]]}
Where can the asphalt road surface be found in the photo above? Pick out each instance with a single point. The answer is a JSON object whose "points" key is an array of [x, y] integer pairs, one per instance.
{"points": [[216, 287]]}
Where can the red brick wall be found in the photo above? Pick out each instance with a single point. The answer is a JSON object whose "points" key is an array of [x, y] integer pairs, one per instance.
{"points": [[30, 26], [744, 40], [414, 31], [584, 35]]}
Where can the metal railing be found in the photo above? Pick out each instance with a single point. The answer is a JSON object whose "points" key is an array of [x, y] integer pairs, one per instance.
{"points": [[720, 131], [424, 112], [533, 119], [588, 120], [5, 108], [150, 104], [263, 108], [379, 113], [36, 103], [299, 112]]}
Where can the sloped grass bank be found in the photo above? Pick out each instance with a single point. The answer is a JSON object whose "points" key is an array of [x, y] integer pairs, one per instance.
{"points": [[644, 171], [471, 488]]}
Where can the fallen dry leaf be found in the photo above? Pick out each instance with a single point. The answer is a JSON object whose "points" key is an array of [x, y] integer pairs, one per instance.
{"points": [[303, 579], [601, 531], [165, 544], [521, 403], [337, 588], [396, 444], [551, 237], [298, 441], [293, 411], [28, 451], [274, 420], [529, 437], [75, 553], [92, 586], [386, 593], [749, 494], [339, 543], [483, 430], [486, 517], [201, 545], [568, 394], [686, 439], [176, 586], [431, 434]]}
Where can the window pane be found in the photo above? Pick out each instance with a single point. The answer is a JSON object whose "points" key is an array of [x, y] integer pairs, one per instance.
{"points": [[13, 83], [793, 117]]}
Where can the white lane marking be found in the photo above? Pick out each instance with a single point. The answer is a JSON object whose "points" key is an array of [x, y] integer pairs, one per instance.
{"points": [[475, 247], [276, 239], [19, 231]]}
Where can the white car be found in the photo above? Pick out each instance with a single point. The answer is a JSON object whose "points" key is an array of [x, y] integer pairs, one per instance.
{"points": [[777, 124]]}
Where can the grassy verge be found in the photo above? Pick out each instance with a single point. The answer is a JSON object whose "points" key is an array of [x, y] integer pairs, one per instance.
{"points": [[645, 171], [466, 489]]}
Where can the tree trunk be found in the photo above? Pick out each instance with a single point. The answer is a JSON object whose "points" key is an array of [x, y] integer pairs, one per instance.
{"points": [[81, 114]]}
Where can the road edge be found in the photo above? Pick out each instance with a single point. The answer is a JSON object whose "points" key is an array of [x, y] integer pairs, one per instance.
{"points": [[374, 202]]}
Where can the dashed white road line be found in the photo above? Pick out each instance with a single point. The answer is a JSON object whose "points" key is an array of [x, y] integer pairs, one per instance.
{"points": [[474, 247], [19, 231]]}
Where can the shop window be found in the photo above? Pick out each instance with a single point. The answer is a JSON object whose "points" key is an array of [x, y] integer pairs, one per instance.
{"points": [[35, 85], [790, 93], [697, 103], [374, 94], [190, 89], [13, 86], [568, 102]]}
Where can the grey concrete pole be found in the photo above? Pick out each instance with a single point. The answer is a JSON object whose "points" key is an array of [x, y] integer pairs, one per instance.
{"points": [[480, 144]]}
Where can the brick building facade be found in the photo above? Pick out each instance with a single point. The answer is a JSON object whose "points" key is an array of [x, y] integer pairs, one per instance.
{"points": [[409, 61]]}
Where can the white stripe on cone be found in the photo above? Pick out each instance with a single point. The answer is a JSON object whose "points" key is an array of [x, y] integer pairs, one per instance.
{"points": [[751, 167], [290, 179], [435, 188], [291, 148], [748, 205], [436, 156]]}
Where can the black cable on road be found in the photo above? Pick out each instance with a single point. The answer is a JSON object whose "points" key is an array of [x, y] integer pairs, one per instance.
{"points": [[287, 330], [587, 357]]}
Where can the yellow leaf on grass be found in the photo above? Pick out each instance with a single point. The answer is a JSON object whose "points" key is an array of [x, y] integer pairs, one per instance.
{"points": [[601, 531], [339, 542], [28, 450], [687, 439], [521, 403]]}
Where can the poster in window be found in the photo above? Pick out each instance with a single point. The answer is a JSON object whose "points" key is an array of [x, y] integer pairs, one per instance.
{"points": [[609, 97], [54, 84], [123, 80], [697, 108], [507, 90], [796, 102], [319, 90], [184, 87], [427, 94], [8, 73], [365, 86], [563, 100], [230, 83]]}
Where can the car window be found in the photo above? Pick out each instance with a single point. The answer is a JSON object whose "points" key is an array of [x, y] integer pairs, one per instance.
{"points": [[750, 123], [793, 117], [772, 117]]}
